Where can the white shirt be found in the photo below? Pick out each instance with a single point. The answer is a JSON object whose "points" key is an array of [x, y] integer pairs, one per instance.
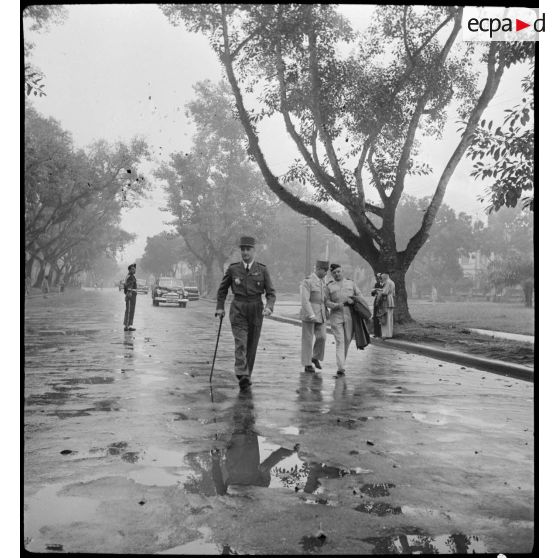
{"points": [[249, 265]]}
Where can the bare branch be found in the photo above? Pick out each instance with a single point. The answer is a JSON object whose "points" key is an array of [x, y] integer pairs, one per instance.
{"points": [[377, 182]]}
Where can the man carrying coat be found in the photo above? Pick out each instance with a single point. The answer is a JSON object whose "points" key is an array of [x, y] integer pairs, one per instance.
{"points": [[248, 280], [313, 315]]}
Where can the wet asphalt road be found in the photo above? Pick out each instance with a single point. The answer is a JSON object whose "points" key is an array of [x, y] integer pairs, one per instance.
{"points": [[127, 450]]}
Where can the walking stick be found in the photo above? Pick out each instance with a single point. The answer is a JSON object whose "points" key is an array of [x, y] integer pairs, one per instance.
{"points": [[216, 345]]}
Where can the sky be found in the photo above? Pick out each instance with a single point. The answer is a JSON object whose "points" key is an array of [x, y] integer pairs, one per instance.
{"points": [[116, 71]]}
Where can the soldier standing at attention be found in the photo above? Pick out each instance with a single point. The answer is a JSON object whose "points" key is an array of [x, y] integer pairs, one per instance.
{"points": [[248, 280], [130, 293], [313, 315]]}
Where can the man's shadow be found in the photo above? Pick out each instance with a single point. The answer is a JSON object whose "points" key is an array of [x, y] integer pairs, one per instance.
{"points": [[240, 464]]}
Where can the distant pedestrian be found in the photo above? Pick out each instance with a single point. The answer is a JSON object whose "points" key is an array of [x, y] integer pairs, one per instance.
{"points": [[313, 315], [340, 294], [27, 285], [376, 314], [434, 294], [248, 280], [130, 293], [388, 304], [45, 287]]}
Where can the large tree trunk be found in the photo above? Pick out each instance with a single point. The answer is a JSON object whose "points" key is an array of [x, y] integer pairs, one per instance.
{"points": [[401, 313]]}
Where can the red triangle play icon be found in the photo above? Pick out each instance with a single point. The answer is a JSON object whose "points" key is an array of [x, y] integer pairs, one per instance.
{"points": [[519, 25]]}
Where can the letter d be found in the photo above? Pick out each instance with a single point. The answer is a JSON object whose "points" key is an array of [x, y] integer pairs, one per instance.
{"points": [[535, 25]]}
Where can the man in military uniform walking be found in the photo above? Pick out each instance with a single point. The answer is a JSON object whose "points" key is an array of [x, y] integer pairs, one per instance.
{"points": [[313, 315], [248, 280], [130, 293]]}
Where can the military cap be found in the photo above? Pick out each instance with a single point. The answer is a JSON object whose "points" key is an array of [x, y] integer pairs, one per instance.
{"points": [[131, 266], [333, 266], [247, 241], [321, 264]]}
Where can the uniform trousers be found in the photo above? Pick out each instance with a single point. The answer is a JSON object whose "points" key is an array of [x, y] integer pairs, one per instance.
{"points": [[130, 309], [387, 328], [246, 324], [317, 350], [343, 334]]}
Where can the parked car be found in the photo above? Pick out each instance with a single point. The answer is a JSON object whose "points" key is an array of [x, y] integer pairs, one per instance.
{"points": [[193, 292], [169, 289], [142, 285]]}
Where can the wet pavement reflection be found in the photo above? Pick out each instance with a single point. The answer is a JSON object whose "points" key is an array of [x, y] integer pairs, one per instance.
{"points": [[388, 459]]}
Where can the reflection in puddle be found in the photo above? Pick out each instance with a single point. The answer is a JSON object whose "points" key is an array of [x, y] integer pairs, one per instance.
{"points": [[46, 508], [249, 460], [424, 544]]}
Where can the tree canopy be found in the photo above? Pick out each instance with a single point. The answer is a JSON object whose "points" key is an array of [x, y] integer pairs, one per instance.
{"points": [[355, 117], [214, 192], [74, 197]]}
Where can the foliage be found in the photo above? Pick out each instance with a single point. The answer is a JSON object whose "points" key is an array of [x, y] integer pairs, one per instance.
{"points": [[73, 197], [509, 152], [38, 18], [162, 254], [437, 263], [215, 194], [356, 117]]}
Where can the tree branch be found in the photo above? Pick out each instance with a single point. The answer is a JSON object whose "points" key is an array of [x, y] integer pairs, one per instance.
{"points": [[284, 195], [494, 75], [402, 167]]}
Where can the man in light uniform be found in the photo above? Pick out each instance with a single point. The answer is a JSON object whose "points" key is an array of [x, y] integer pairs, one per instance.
{"points": [[313, 315]]}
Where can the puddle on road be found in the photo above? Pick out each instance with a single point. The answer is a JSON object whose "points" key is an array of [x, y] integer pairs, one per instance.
{"points": [[154, 476], [157, 461], [88, 380], [201, 546], [293, 430], [46, 508], [250, 460], [424, 544], [380, 509]]}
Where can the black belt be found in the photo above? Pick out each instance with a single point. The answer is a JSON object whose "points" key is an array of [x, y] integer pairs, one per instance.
{"points": [[245, 298]]}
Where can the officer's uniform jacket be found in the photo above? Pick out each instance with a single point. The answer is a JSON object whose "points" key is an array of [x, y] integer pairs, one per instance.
{"points": [[338, 292], [312, 298], [246, 286]]}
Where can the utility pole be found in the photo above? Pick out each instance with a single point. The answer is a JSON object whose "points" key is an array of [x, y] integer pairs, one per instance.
{"points": [[308, 222]]}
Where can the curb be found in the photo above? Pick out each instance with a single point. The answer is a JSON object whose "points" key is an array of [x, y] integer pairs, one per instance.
{"points": [[509, 369]]}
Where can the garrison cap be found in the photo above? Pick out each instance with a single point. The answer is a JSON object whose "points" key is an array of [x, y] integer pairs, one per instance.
{"points": [[247, 241], [322, 264], [334, 266], [131, 266]]}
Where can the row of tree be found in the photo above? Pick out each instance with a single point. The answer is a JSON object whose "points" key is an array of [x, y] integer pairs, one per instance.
{"points": [[74, 198]]}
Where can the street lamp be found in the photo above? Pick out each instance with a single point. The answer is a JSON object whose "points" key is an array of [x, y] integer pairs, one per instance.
{"points": [[308, 222]]}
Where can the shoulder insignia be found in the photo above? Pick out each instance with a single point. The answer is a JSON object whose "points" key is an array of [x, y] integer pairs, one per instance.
{"points": [[259, 263]]}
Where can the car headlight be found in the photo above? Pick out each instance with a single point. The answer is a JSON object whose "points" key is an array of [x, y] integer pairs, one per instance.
{"points": [[158, 291]]}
